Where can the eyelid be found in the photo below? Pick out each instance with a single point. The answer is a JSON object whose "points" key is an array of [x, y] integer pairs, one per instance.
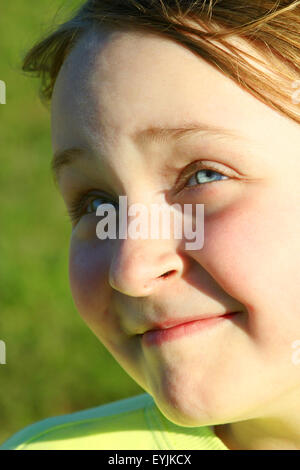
{"points": [[198, 166], [76, 207]]}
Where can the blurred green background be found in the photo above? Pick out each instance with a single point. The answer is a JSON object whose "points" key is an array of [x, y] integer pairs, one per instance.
{"points": [[55, 364]]}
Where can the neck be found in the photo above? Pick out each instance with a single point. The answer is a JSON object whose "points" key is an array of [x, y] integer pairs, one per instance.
{"points": [[277, 431]]}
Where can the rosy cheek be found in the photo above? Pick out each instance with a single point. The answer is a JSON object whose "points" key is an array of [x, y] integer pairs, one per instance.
{"points": [[243, 249], [230, 250], [88, 272], [92, 294]]}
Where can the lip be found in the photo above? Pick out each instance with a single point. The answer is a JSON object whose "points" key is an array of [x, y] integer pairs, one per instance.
{"points": [[175, 329]]}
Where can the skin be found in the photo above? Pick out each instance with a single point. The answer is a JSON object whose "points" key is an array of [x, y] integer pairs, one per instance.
{"points": [[238, 376]]}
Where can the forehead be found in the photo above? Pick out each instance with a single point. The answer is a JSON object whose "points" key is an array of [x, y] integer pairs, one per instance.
{"points": [[114, 83]]}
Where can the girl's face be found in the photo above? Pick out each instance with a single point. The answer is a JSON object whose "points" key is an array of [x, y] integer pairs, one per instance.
{"points": [[112, 87]]}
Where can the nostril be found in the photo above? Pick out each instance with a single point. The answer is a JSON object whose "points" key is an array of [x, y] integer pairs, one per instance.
{"points": [[168, 273]]}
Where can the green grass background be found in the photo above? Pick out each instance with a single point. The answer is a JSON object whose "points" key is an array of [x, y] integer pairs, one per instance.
{"points": [[55, 365]]}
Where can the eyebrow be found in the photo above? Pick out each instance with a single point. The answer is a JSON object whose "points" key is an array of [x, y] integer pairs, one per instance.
{"points": [[64, 158], [155, 133], [161, 134]]}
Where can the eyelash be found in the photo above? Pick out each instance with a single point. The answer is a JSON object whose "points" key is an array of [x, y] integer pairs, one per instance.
{"points": [[77, 207]]}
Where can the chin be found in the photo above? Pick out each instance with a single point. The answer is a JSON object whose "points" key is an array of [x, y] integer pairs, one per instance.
{"points": [[185, 409], [184, 416], [185, 406]]}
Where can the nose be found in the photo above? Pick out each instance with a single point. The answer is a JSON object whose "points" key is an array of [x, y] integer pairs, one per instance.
{"points": [[139, 266]]}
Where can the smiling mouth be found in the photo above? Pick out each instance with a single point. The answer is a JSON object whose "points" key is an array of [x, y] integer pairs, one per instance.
{"points": [[173, 329]]}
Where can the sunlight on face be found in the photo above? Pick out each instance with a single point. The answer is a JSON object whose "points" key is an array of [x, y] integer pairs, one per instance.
{"points": [[112, 87]]}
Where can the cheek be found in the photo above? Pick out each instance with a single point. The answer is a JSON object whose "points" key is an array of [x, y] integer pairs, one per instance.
{"points": [[252, 251], [88, 272]]}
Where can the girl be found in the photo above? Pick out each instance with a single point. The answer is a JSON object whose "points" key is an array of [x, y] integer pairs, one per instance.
{"points": [[182, 102]]}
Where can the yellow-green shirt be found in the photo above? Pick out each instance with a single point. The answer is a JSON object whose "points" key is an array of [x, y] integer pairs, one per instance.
{"points": [[133, 423]]}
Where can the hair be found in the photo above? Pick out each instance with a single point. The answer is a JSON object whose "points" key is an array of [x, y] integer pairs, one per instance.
{"points": [[271, 27]]}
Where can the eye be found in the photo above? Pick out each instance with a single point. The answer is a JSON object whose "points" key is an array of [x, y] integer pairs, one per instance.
{"points": [[94, 204], [205, 176], [199, 174], [86, 204]]}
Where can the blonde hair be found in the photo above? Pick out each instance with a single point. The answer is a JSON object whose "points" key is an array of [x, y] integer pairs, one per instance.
{"points": [[272, 27]]}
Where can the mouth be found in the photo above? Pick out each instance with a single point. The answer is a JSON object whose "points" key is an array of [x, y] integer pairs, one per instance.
{"points": [[175, 329]]}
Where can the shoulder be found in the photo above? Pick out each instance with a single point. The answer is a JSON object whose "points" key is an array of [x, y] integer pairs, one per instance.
{"points": [[87, 429]]}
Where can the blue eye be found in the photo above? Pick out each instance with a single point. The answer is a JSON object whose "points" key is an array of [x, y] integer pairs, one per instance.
{"points": [[205, 176], [86, 204], [95, 203]]}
